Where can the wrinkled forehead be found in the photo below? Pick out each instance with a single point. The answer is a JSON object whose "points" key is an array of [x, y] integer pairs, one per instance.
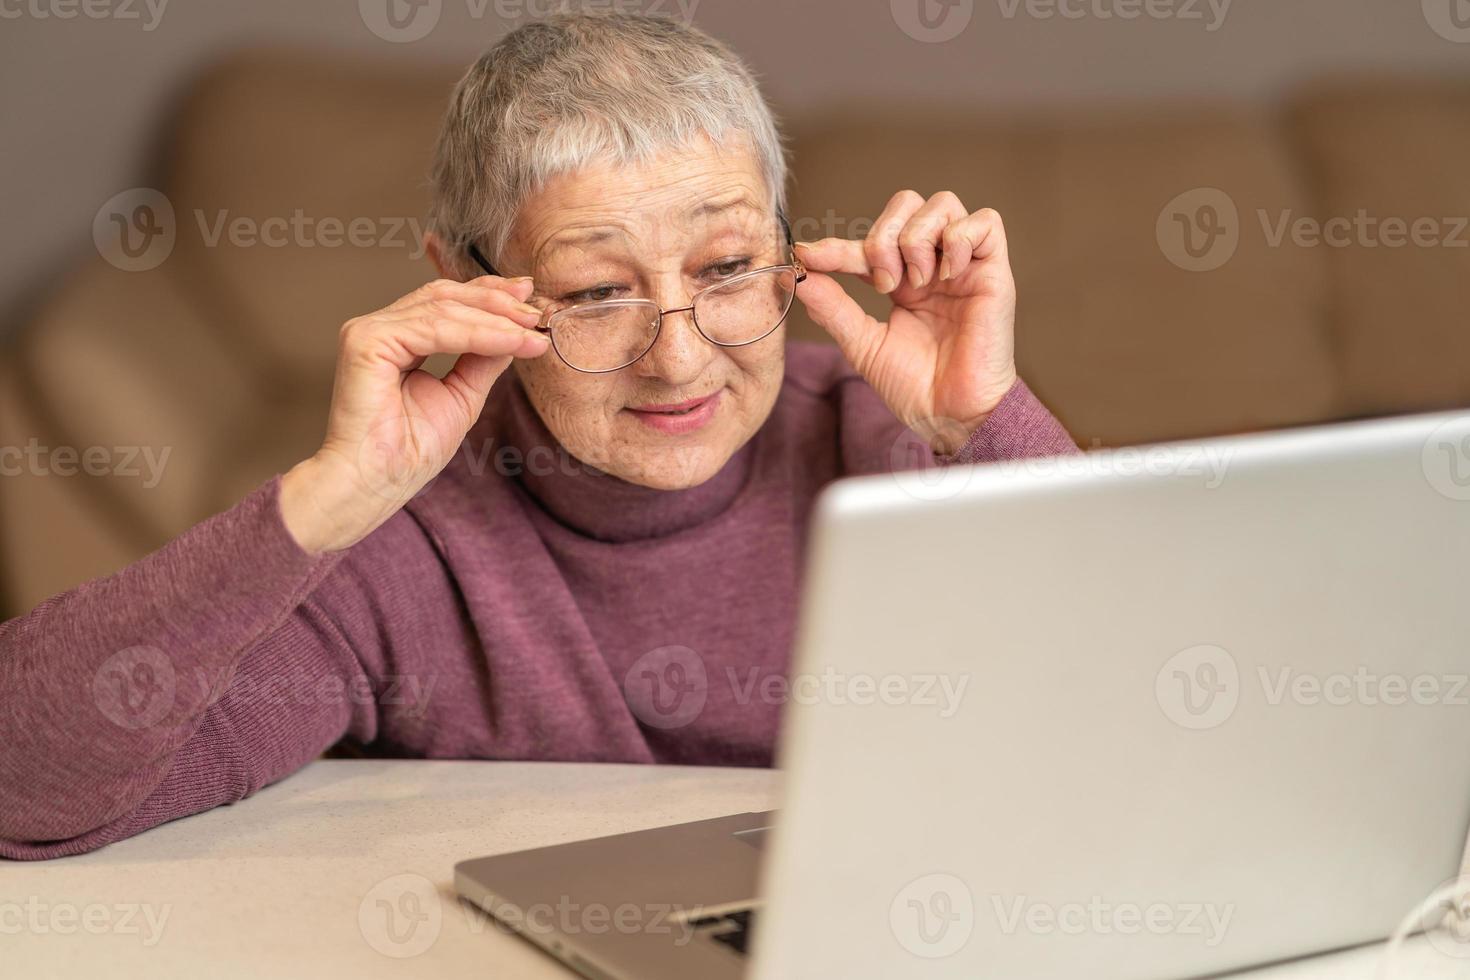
{"points": [[732, 221], [675, 202]]}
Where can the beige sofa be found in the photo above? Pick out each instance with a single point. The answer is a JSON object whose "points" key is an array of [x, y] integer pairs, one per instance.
{"points": [[222, 355]]}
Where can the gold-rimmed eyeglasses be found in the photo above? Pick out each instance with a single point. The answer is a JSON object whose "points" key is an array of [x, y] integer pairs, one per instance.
{"points": [[603, 336]]}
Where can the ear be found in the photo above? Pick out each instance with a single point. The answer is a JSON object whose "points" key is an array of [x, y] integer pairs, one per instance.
{"points": [[438, 254]]}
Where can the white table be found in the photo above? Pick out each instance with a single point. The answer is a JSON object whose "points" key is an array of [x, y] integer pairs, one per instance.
{"points": [[289, 883]]}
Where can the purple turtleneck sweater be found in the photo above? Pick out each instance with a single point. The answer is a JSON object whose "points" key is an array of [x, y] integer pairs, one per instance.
{"points": [[508, 612]]}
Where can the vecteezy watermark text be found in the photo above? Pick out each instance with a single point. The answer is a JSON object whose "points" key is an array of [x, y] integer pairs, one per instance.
{"points": [[1207, 462], [943, 692], [1201, 686], [302, 230], [128, 462], [1201, 229], [1101, 917], [40, 918], [149, 13], [1210, 14], [406, 21]]}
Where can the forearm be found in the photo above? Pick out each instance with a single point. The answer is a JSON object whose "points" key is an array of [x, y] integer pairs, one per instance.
{"points": [[100, 687]]}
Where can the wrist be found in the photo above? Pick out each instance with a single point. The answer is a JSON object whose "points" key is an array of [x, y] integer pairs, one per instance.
{"points": [[951, 437], [323, 508]]}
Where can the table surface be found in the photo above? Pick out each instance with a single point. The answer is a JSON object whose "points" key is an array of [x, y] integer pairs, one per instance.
{"points": [[295, 881]]}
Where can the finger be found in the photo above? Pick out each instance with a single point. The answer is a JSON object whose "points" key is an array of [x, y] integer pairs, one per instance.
{"points": [[472, 376], [828, 304], [977, 237], [881, 245], [494, 293], [835, 255], [920, 239], [441, 326], [491, 298]]}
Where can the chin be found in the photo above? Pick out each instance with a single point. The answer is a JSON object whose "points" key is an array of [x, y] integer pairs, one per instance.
{"points": [[677, 466]]}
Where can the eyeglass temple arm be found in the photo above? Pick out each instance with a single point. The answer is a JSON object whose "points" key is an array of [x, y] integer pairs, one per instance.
{"points": [[484, 263]]}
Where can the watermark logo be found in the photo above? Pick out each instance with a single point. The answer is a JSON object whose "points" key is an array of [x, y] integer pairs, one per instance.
{"points": [[149, 13], [135, 688], [1208, 462], [1198, 688], [916, 469], [1098, 916], [390, 456], [1450, 19], [1446, 459], [135, 230], [569, 918], [400, 21], [932, 21], [933, 916], [38, 459], [40, 918], [1199, 230], [945, 693], [406, 21], [302, 230], [667, 687], [1362, 687], [1448, 927], [1210, 13], [401, 916]]}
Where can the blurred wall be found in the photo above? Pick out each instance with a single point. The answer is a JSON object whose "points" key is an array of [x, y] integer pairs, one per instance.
{"points": [[84, 88]]}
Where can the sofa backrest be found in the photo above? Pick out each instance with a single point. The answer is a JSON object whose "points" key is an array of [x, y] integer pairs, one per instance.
{"points": [[299, 189]]}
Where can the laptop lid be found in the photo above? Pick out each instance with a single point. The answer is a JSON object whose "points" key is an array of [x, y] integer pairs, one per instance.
{"points": [[1150, 713]]}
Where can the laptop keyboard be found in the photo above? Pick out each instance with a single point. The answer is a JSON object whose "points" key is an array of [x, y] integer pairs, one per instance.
{"points": [[732, 929]]}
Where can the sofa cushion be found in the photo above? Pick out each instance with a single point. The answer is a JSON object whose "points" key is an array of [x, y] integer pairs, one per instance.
{"points": [[1122, 343], [1378, 151], [324, 165]]}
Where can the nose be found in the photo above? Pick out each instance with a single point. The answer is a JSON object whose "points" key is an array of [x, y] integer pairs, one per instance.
{"points": [[680, 356]]}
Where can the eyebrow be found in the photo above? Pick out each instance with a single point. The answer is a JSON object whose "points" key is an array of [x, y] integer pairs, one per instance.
{"points": [[718, 207], [595, 236]]}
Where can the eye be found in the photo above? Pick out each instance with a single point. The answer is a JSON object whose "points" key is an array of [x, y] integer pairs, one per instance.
{"points": [[595, 294], [727, 268]]}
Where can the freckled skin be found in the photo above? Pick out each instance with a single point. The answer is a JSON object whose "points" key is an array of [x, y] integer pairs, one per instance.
{"points": [[658, 247]]}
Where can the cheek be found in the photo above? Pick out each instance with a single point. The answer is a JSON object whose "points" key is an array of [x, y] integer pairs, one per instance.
{"points": [[574, 406], [760, 368]]}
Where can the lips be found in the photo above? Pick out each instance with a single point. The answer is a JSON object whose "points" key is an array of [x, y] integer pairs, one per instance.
{"points": [[676, 418], [677, 408]]}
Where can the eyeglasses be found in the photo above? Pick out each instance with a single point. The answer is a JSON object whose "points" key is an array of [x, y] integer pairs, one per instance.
{"points": [[608, 335]]}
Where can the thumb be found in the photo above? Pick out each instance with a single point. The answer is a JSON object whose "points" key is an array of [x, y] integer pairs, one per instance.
{"points": [[472, 376], [828, 304]]}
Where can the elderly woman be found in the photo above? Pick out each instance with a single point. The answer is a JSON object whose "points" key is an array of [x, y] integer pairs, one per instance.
{"points": [[486, 564]]}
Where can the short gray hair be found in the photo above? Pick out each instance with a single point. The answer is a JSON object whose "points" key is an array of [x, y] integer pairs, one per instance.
{"points": [[558, 94]]}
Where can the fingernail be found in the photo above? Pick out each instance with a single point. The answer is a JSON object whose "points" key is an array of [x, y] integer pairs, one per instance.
{"points": [[883, 281], [944, 269], [521, 279], [806, 245], [916, 277], [528, 309]]}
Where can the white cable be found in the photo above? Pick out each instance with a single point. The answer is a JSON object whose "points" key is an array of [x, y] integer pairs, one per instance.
{"points": [[1452, 900]]}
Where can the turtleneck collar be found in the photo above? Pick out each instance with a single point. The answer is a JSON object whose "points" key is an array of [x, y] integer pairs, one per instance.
{"points": [[589, 501]]}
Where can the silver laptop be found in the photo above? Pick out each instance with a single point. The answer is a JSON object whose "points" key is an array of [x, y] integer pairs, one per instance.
{"points": [[1152, 713]]}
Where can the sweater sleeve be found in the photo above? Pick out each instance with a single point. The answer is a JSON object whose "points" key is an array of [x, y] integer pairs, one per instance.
{"points": [[1020, 427], [189, 679]]}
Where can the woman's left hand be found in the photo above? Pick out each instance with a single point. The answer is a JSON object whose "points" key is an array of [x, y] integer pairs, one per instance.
{"points": [[946, 355]]}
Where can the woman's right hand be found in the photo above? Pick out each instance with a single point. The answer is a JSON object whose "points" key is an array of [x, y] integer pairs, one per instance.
{"points": [[393, 427]]}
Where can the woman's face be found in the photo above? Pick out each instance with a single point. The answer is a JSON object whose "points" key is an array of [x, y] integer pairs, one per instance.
{"points": [[663, 231]]}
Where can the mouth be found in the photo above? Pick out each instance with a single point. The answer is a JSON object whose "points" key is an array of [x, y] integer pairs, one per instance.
{"points": [[678, 418]]}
